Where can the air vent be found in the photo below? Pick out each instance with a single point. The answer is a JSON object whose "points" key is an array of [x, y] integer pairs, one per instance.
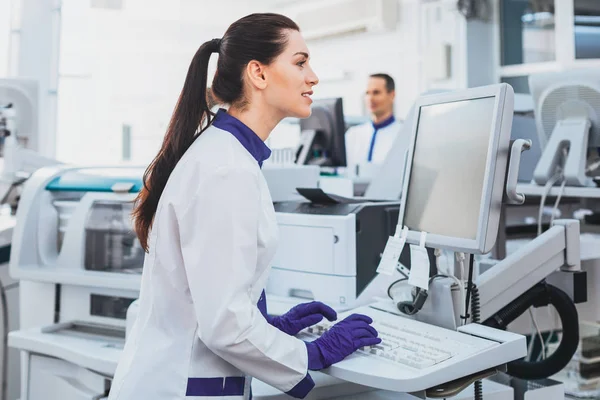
{"points": [[107, 4], [341, 17]]}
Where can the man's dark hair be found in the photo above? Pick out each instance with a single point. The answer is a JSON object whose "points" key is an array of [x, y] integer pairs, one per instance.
{"points": [[389, 81]]}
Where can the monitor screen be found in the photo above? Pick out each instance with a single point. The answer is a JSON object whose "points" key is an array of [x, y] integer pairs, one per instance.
{"points": [[328, 147], [448, 173]]}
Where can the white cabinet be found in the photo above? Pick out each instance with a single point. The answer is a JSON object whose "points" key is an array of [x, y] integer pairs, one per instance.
{"points": [[53, 379], [11, 288]]}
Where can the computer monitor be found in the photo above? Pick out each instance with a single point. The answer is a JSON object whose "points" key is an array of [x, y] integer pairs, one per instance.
{"points": [[567, 114], [385, 184], [454, 179], [322, 135]]}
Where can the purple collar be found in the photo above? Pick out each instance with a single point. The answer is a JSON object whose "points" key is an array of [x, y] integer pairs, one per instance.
{"points": [[246, 136], [384, 123]]}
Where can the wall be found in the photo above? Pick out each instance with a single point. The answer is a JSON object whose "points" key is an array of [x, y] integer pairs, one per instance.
{"points": [[431, 47], [344, 63], [4, 36], [122, 66], [123, 62]]}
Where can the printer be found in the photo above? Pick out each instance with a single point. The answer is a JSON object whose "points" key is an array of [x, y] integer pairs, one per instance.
{"points": [[330, 247]]}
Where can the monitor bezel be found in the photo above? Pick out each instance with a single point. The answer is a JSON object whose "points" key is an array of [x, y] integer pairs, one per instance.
{"points": [[338, 139], [493, 187]]}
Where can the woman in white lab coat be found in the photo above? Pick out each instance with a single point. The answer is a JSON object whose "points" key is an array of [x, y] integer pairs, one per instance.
{"points": [[207, 221]]}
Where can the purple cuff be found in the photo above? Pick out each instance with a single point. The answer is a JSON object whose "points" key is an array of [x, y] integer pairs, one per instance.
{"points": [[315, 359], [302, 388]]}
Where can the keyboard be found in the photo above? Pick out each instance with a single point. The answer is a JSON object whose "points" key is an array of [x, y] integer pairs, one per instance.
{"points": [[408, 342]]}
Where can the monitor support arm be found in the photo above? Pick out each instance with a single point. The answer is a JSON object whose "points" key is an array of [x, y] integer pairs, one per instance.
{"points": [[517, 283], [570, 135], [557, 248]]}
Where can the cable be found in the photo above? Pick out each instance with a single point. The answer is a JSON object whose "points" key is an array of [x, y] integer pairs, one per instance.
{"points": [[547, 188], [539, 333], [476, 309], [469, 287], [420, 295], [551, 333], [460, 257], [438, 254], [541, 295], [447, 270], [592, 166], [530, 345], [4, 340], [530, 349], [448, 274], [461, 289], [461, 261], [554, 211], [475, 304], [392, 285], [557, 202], [417, 303]]}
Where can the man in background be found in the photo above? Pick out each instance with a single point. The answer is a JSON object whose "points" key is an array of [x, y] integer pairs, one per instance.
{"points": [[370, 142]]}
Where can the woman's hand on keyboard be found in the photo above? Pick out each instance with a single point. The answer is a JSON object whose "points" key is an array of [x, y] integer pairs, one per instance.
{"points": [[302, 316], [341, 340]]}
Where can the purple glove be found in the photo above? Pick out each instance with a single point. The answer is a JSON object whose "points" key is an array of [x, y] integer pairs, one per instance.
{"points": [[302, 316], [341, 340]]}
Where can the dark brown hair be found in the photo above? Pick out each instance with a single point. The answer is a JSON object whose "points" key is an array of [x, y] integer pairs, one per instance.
{"points": [[389, 81], [260, 37]]}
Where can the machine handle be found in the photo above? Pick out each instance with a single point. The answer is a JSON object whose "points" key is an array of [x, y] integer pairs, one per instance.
{"points": [[518, 147]]}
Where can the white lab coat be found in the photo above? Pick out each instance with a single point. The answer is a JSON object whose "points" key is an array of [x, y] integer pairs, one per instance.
{"points": [[199, 331], [358, 143]]}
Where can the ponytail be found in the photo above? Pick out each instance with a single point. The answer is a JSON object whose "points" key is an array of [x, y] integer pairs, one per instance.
{"points": [[261, 37], [191, 117]]}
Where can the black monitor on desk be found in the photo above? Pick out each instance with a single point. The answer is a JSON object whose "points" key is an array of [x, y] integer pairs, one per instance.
{"points": [[322, 135]]}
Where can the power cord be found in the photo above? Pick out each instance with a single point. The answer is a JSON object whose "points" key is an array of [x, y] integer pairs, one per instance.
{"points": [[547, 189], [541, 295], [539, 333], [554, 212], [438, 254], [4, 302], [421, 300], [419, 296], [389, 293], [557, 202], [551, 333], [461, 288], [593, 166], [476, 318], [466, 316]]}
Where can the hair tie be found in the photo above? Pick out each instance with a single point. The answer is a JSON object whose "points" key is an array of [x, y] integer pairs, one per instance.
{"points": [[216, 45]]}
